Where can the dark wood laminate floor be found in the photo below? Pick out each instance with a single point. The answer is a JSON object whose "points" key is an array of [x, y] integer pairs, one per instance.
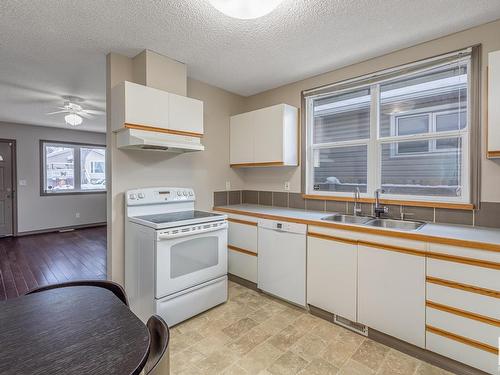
{"points": [[31, 261]]}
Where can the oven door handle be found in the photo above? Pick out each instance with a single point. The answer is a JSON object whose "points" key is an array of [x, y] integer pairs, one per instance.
{"points": [[169, 235]]}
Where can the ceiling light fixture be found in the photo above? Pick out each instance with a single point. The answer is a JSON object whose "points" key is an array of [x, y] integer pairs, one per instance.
{"points": [[245, 9], [73, 119]]}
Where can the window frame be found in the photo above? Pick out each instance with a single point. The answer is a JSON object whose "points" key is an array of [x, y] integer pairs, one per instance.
{"points": [[374, 162], [77, 146], [432, 115]]}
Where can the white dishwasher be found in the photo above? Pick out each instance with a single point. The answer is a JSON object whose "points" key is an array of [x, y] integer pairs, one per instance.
{"points": [[282, 260]]}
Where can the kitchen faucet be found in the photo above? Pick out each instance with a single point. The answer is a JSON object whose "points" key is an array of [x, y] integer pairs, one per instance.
{"points": [[357, 207], [379, 209]]}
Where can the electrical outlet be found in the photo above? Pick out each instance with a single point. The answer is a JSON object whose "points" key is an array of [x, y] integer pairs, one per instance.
{"points": [[23, 183], [287, 185], [228, 185], [77, 215]]}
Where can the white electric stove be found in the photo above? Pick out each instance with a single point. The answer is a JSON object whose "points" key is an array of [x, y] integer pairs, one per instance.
{"points": [[175, 256]]}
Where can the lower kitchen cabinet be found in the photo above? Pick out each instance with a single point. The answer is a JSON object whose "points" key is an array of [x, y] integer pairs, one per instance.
{"points": [[391, 292], [242, 265], [242, 248], [332, 275]]}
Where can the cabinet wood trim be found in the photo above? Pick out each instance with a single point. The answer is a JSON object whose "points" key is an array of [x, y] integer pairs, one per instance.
{"points": [[464, 260], [368, 244], [238, 221], [455, 206], [161, 130], [493, 154], [461, 339], [332, 238], [463, 313], [464, 287], [240, 250], [384, 232], [263, 164], [397, 249]]}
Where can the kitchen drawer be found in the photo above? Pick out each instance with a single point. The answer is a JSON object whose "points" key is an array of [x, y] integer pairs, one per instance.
{"points": [[242, 234], [470, 355], [463, 326], [242, 265], [490, 256], [371, 238], [393, 241], [334, 232], [463, 300], [476, 275]]}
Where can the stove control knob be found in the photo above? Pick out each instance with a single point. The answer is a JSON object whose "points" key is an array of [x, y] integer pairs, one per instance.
{"points": [[191, 193], [179, 193], [132, 197], [185, 193], [140, 195]]}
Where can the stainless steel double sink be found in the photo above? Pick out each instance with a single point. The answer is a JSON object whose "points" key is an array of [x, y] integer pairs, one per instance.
{"points": [[375, 222]]}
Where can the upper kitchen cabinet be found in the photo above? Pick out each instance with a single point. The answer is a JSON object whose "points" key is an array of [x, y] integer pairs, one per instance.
{"points": [[494, 105], [141, 107], [265, 137]]}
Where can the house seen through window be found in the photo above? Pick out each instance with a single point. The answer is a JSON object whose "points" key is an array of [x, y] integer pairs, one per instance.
{"points": [[72, 168], [408, 135]]}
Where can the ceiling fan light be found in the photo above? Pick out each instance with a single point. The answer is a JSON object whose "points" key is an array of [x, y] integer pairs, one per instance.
{"points": [[73, 119], [245, 9]]}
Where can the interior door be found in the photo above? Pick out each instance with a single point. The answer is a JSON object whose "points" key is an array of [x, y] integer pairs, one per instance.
{"points": [[6, 189]]}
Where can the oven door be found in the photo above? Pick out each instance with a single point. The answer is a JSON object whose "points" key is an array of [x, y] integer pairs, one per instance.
{"points": [[191, 256]]}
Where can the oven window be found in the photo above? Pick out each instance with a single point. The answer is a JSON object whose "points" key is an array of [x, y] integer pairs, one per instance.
{"points": [[193, 255]]}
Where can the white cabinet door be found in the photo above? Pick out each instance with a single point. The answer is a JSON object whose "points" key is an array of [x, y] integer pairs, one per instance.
{"points": [[268, 128], [145, 105], [332, 276], [185, 114], [241, 139], [391, 293], [243, 236], [242, 265]]}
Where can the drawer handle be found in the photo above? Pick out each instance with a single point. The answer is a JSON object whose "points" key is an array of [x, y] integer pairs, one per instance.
{"points": [[238, 221], [465, 287], [463, 313], [461, 339], [464, 260], [240, 250]]}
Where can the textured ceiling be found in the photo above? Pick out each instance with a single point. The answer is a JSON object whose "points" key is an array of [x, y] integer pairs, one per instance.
{"points": [[51, 48]]}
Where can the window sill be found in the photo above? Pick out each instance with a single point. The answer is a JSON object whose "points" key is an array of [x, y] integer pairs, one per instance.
{"points": [[449, 205], [45, 194]]}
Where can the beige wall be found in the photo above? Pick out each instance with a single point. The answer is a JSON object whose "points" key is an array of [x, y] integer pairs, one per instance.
{"points": [[37, 212], [204, 171], [488, 35]]}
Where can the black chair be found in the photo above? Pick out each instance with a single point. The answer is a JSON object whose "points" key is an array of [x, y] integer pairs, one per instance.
{"points": [[113, 287], [158, 361]]}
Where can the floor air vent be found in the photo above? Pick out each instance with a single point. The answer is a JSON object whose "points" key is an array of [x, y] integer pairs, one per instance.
{"points": [[353, 326]]}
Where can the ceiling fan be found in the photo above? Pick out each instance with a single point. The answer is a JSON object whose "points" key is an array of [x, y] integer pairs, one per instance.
{"points": [[75, 113]]}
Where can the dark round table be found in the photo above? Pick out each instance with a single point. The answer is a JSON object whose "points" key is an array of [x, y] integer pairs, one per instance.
{"points": [[74, 330]]}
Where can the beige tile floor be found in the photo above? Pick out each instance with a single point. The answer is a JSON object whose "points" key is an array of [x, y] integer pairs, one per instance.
{"points": [[256, 334]]}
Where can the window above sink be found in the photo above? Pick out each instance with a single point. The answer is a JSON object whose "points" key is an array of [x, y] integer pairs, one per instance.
{"points": [[406, 131]]}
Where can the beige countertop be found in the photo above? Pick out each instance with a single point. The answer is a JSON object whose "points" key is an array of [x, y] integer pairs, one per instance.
{"points": [[461, 235]]}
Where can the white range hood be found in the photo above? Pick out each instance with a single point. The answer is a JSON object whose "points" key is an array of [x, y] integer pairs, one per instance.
{"points": [[134, 139], [145, 118]]}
